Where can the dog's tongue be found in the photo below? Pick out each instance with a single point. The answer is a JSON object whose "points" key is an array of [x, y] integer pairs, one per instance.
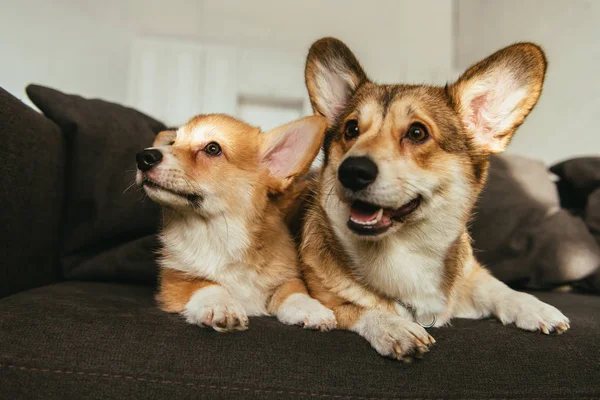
{"points": [[365, 217], [364, 214]]}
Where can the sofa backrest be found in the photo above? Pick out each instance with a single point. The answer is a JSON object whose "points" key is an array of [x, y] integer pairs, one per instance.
{"points": [[32, 166]]}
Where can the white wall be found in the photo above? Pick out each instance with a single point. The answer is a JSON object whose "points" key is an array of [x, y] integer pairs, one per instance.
{"points": [[61, 44], [261, 47], [565, 122], [387, 35], [83, 46]]}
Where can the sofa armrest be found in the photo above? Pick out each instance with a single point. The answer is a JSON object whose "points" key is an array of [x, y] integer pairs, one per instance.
{"points": [[32, 165]]}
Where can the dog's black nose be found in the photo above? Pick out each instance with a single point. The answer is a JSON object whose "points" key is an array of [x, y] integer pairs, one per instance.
{"points": [[357, 173], [148, 158]]}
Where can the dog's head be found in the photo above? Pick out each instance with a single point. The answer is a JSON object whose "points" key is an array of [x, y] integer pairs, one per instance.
{"points": [[399, 154], [217, 165]]}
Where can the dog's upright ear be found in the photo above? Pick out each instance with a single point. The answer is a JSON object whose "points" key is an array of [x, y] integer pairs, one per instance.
{"points": [[288, 151], [164, 138], [332, 75], [494, 96]]}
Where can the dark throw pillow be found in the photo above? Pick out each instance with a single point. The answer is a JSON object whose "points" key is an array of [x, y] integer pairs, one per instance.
{"points": [[579, 188], [578, 178], [32, 164], [592, 220], [592, 214], [521, 234], [107, 220]]}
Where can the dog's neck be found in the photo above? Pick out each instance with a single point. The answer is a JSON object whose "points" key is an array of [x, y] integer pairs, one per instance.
{"points": [[219, 239], [192, 238]]}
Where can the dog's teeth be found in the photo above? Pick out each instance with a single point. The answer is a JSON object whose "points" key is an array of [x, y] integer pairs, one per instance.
{"points": [[366, 223], [371, 222]]}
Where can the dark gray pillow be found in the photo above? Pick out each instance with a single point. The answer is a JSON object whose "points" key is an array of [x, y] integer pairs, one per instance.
{"points": [[592, 214], [578, 178], [520, 232], [32, 165], [592, 220], [579, 188], [103, 215], [582, 173]]}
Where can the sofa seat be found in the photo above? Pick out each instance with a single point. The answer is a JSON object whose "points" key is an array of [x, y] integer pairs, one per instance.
{"points": [[105, 340]]}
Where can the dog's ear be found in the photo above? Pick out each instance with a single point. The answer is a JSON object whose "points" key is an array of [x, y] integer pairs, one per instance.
{"points": [[164, 138], [332, 75], [494, 96], [289, 150]]}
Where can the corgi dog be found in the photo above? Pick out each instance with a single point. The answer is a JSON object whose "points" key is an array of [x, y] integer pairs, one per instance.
{"points": [[226, 251], [384, 238]]}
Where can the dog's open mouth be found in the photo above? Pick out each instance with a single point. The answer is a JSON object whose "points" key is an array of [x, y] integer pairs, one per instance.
{"points": [[153, 185], [370, 220]]}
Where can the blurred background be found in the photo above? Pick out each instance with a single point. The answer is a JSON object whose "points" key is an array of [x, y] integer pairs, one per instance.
{"points": [[174, 59]]}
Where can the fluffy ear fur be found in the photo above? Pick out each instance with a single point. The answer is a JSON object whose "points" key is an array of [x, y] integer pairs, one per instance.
{"points": [[289, 150], [494, 96], [164, 138], [332, 75]]}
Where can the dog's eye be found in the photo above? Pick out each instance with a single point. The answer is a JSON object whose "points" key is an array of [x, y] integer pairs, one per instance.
{"points": [[213, 149], [417, 133], [351, 130]]}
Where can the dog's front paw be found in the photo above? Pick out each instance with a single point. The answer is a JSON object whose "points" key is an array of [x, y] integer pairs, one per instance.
{"points": [[394, 336], [301, 309], [531, 314], [214, 307]]}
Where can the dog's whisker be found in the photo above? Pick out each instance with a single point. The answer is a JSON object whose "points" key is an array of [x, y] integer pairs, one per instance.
{"points": [[129, 187]]}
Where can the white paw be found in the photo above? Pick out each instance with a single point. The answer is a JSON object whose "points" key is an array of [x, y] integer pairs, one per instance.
{"points": [[530, 314], [213, 306], [301, 309], [394, 336]]}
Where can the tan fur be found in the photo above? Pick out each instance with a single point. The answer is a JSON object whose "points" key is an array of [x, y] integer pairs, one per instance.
{"points": [[225, 233], [422, 269], [284, 291], [176, 289], [164, 138]]}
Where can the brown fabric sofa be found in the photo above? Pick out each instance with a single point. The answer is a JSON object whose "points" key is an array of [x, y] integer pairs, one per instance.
{"points": [[78, 319]]}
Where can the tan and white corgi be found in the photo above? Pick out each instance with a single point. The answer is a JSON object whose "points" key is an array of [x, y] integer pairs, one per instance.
{"points": [[385, 242], [227, 253]]}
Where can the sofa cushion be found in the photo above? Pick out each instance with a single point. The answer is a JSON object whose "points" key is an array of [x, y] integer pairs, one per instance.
{"points": [[104, 212], [520, 232], [32, 176], [99, 340]]}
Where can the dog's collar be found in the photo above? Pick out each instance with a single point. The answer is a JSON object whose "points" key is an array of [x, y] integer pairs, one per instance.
{"points": [[412, 310]]}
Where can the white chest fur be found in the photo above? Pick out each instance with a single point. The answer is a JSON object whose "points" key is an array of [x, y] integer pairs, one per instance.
{"points": [[216, 250], [404, 269]]}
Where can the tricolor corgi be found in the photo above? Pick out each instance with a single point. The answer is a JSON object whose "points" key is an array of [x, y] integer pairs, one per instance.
{"points": [[226, 251], [385, 242]]}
